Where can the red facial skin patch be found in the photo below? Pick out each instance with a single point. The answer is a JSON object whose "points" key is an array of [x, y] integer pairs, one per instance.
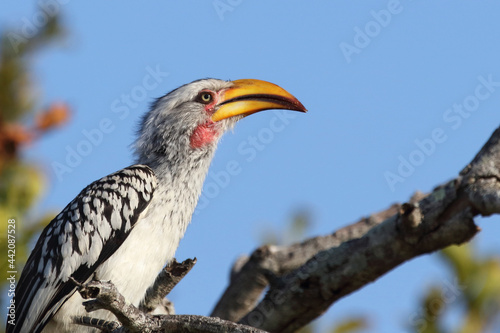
{"points": [[202, 135]]}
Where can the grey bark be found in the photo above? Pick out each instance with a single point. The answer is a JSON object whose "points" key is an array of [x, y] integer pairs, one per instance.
{"points": [[166, 281]]}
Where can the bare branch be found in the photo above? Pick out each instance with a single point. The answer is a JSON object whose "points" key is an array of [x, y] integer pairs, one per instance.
{"points": [[248, 282], [200, 324], [164, 283], [425, 224], [481, 177], [105, 296]]}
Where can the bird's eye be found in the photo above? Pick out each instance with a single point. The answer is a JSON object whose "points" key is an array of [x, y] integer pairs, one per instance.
{"points": [[205, 97]]}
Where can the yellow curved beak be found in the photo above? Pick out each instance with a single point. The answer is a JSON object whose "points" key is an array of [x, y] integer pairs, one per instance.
{"points": [[248, 96]]}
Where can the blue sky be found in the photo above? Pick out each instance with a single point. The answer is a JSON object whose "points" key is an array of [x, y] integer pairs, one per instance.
{"points": [[401, 95]]}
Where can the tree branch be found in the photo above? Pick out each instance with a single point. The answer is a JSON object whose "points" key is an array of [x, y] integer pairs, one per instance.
{"points": [[442, 218], [200, 324], [104, 295], [248, 282], [154, 301]]}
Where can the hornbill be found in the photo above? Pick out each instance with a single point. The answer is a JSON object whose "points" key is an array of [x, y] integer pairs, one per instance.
{"points": [[126, 226]]}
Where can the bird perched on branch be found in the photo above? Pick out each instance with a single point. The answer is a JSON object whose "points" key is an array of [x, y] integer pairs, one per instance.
{"points": [[126, 226]]}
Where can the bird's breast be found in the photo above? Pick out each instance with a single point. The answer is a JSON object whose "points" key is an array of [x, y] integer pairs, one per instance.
{"points": [[150, 245]]}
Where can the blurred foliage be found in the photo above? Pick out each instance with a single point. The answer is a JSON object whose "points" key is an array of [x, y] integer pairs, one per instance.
{"points": [[22, 123], [350, 325], [295, 231], [472, 295]]}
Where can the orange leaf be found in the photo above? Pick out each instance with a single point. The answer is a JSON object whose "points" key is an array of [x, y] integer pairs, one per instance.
{"points": [[56, 115], [12, 136]]}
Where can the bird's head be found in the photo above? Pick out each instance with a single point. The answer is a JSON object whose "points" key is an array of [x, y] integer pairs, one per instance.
{"points": [[190, 119]]}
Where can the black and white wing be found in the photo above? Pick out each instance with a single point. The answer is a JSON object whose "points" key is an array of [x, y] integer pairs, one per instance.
{"points": [[86, 233]]}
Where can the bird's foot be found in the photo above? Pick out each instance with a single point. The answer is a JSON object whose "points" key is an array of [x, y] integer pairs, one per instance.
{"points": [[105, 326]]}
